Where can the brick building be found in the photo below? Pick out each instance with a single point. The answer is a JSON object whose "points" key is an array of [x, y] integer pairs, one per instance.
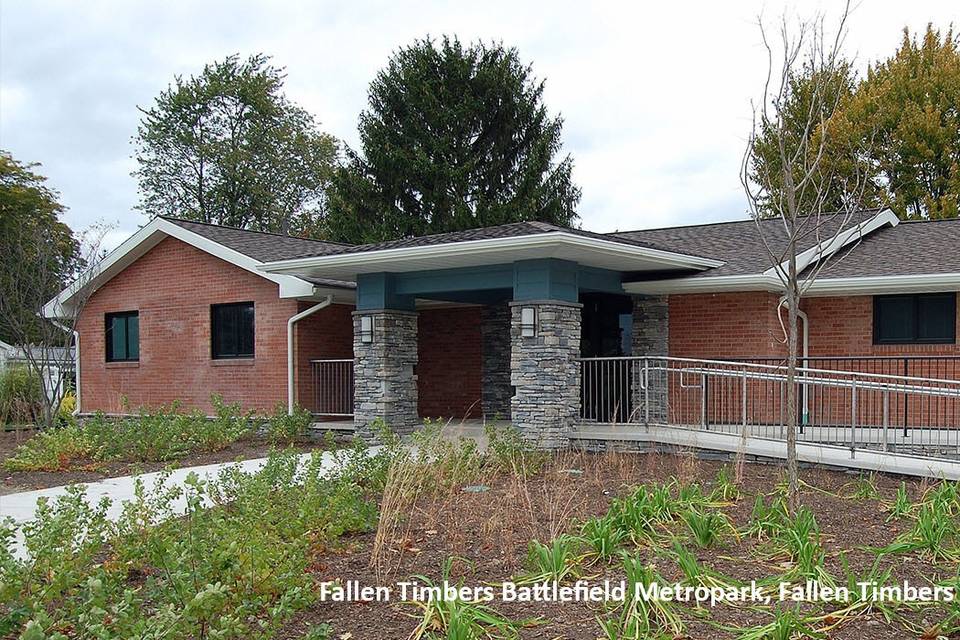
{"points": [[491, 322]]}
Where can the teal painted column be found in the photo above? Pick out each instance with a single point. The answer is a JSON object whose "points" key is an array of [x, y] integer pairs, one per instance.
{"points": [[547, 279]]}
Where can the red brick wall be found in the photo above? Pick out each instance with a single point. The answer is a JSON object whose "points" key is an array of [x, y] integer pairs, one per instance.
{"points": [[844, 327], [173, 286], [736, 325], [449, 371], [327, 334], [724, 325]]}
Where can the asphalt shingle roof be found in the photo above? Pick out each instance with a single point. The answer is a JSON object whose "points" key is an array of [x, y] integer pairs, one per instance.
{"points": [[259, 245], [511, 230], [910, 248], [265, 247], [738, 244]]}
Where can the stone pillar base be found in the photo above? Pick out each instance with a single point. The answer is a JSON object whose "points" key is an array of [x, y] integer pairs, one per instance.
{"points": [[384, 382], [545, 372], [495, 344], [651, 337]]}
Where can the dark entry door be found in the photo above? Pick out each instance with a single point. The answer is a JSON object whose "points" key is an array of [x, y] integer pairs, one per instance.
{"points": [[606, 332]]}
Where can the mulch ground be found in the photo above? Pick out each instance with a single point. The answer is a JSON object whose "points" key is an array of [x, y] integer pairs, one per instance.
{"points": [[92, 471], [487, 533]]}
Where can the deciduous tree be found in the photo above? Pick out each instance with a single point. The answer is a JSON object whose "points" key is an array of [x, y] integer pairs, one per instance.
{"points": [[228, 147]]}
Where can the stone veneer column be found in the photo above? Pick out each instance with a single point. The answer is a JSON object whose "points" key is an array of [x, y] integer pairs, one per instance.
{"points": [[651, 337], [545, 372], [495, 345], [384, 383]]}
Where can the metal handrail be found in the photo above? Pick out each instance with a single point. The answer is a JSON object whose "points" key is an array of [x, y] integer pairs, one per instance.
{"points": [[857, 409], [799, 370]]}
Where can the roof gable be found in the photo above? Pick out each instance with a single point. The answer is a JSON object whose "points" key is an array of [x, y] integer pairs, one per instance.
{"points": [[199, 236]]}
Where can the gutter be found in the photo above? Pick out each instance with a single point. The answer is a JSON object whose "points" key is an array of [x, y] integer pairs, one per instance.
{"points": [[294, 319]]}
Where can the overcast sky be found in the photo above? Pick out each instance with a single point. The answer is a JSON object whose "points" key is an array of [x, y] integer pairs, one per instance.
{"points": [[655, 96]]}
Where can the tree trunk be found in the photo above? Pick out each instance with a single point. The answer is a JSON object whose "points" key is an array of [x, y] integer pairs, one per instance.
{"points": [[793, 308]]}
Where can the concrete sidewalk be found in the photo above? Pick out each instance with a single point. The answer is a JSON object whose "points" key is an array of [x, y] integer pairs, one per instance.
{"points": [[21, 506]]}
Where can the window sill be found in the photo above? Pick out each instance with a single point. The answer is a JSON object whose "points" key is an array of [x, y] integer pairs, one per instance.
{"points": [[123, 365], [233, 362]]}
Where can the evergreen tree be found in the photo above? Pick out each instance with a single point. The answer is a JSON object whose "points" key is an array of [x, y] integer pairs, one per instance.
{"points": [[455, 137]]}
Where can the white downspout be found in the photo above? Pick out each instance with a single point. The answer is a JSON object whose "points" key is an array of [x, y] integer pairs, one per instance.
{"points": [[76, 362], [290, 361], [806, 363], [76, 371], [805, 350]]}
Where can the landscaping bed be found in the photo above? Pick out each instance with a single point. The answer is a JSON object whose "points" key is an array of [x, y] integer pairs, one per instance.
{"points": [[93, 470], [97, 447], [255, 564], [489, 532]]}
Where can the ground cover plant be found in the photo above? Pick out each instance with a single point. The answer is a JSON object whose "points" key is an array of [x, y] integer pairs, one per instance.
{"points": [[152, 435], [233, 560], [446, 511]]}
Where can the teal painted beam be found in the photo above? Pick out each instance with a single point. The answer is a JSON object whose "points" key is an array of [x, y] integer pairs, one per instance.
{"points": [[601, 280], [544, 279], [422, 283], [379, 291]]}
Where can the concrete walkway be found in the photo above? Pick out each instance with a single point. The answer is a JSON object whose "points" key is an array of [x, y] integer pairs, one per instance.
{"points": [[21, 506]]}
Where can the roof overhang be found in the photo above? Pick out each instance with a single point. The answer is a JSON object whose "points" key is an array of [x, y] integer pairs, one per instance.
{"points": [[149, 236], [587, 251]]}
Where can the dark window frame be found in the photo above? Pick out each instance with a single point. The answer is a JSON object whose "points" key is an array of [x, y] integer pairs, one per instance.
{"points": [[108, 318], [914, 299], [214, 329]]}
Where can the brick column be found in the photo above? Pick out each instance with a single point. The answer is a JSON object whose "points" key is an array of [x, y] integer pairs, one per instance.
{"points": [[385, 386], [651, 337], [545, 372], [495, 344]]}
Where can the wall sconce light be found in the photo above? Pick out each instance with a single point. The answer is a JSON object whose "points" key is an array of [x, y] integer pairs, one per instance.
{"points": [[528, 322], [366, 329]]}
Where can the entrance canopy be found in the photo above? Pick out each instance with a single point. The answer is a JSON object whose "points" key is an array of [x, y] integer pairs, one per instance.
{"points": [[520, 261]]}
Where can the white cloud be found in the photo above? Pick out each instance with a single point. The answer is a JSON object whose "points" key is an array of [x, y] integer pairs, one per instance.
{"points": [[655, 96]]}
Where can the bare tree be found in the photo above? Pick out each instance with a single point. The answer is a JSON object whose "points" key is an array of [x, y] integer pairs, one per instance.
{"points": [[45, 334], [793, 197]]}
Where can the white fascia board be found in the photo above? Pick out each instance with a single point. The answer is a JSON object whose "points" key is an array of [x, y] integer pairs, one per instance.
{"points": [[715, 284], [838, 241], [821, 287], [491, 245], [148, 237], [878, 285]]}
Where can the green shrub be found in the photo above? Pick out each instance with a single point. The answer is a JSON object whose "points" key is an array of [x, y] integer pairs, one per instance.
{"points": [[21, 396], [234, 564], [508, 451], [285, 428], [706, 527], [52, 450], [554, 562], [153, 436]]}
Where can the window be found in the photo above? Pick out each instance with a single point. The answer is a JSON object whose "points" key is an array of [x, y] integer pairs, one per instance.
{"points": [[123, 336], [926, 318], [231, 330]]}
